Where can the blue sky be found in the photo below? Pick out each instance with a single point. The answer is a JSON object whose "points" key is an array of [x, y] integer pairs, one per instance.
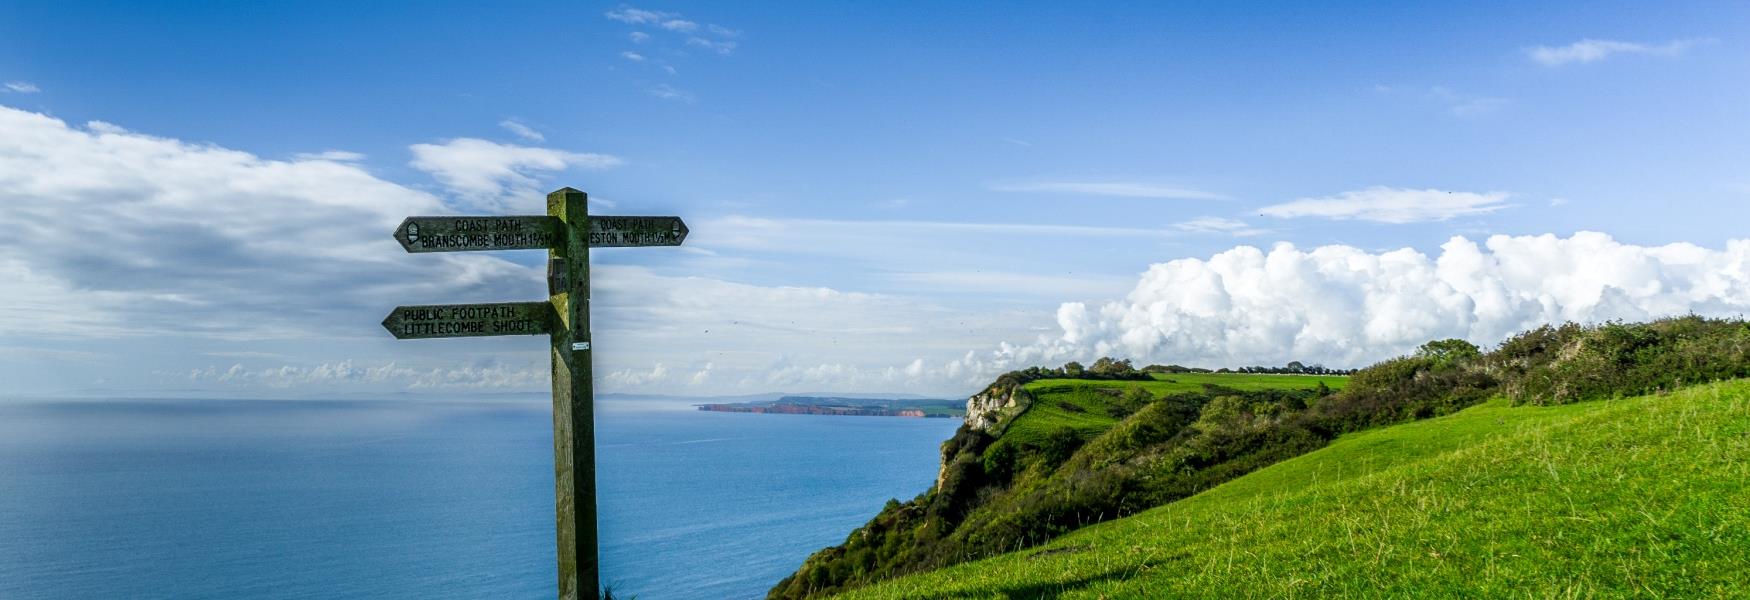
{"points": [[883, 197]]}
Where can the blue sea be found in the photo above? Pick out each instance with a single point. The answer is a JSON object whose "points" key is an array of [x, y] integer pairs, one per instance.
{"points": [[406, 499]]}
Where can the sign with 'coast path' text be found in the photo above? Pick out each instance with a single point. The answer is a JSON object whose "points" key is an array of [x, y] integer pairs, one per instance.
{"points": [[462, 234], [567, 232], [624, 232]]}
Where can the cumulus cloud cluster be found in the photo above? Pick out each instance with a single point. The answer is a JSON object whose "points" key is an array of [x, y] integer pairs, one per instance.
{"points": [[1344, 306]]}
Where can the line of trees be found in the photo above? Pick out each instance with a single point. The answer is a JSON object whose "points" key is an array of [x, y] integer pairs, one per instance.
{"points": [[1292, 368], [1109, 368]]}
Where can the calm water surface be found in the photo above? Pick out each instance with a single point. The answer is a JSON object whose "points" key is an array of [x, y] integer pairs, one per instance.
{"points": [[401, 499]]}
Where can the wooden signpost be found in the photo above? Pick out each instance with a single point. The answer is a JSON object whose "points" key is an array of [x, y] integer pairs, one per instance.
{"points": [[567, 232]]}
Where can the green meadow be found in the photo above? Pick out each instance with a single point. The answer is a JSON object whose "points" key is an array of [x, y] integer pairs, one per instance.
{"points": [[1645, 496]]}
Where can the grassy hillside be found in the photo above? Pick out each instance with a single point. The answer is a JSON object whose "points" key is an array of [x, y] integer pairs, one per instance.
{"points": [[1646, 496], [1091, 406], [1079, 453], [1074, 454]]}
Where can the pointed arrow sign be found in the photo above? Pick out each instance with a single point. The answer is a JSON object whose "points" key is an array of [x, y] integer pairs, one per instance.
{"points": [[470, 320], [461, 234], [623, 232]]}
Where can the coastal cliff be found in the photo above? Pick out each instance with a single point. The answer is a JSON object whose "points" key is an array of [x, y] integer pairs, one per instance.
{"points": [[987, 409]]}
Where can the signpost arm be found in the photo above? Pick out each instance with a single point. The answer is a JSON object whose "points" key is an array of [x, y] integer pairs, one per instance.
{"points": [[573, 404]]}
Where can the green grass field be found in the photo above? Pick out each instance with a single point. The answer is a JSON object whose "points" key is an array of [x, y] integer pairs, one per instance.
{"points": [[1646, 497], [1058, 400]]}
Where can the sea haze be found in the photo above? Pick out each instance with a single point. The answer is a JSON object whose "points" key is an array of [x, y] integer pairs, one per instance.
{"points": [[403, 499]]}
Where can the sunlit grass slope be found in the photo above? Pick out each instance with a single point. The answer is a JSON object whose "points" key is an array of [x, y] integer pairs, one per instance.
{"points": [[1082, 404], [1646, 496]]}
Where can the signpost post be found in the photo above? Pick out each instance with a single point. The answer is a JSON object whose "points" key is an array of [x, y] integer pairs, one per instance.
{"points": [[567, 232]]}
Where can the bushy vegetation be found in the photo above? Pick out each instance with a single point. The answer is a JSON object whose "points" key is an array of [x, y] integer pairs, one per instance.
{"points": [[1089, 450]]}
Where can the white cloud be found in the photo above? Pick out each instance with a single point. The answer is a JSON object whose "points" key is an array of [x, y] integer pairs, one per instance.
{"points": [[657, 333], [194, 249], [1465, 105], [702, 377], [637, 16], [632, 56], [718, 46], [1232, 227], [743, 231], [638, 37], [1000, 284], [1591, 50], [331, 155], [667, 21], [1343, 306], [522, 131], [488, 173], [1460, 104], [22, 87], [492, 375], [634, 378], [669, 92], [1121, 189], [1392, 205], [112, 234]]}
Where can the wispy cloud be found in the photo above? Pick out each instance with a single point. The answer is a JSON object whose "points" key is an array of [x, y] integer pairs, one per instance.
{"points": [[1233, 227], [494, 375], [993, 283], [1391, 205], [522, 131], [718, 46], [638, 16], [22, 87], [1591, 50], [669, 92], [710, 36], [1016, 142], [1122, 189], [486, 173], [1461, 104], [1465, 105], [761, 232], [331, 155], [669, 37]]}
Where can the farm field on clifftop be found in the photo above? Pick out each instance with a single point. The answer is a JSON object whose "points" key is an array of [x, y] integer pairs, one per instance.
{"points": [[1082, 404], [1640, 496]]}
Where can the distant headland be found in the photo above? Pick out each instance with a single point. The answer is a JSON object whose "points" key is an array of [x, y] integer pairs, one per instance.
{"points": [[859, 407]]}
